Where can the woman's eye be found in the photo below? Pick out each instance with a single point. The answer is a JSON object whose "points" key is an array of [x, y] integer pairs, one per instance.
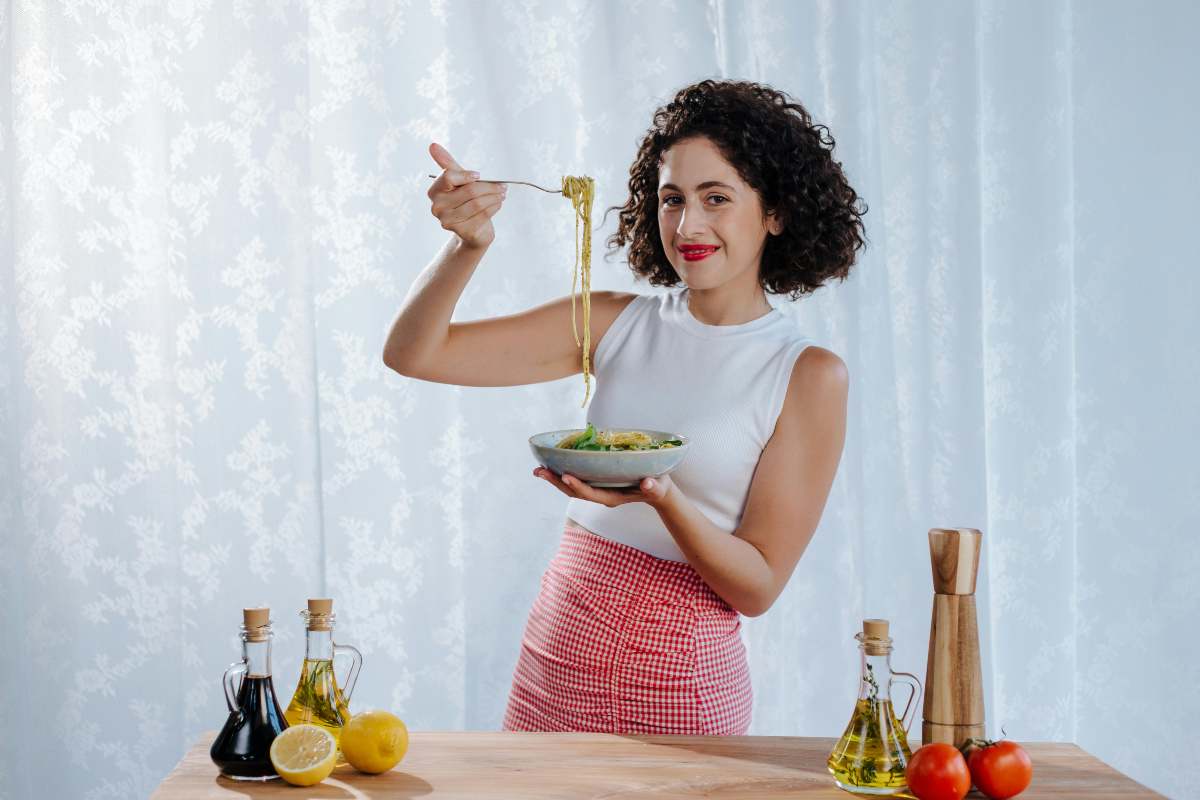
{"points": [[667, 201]]}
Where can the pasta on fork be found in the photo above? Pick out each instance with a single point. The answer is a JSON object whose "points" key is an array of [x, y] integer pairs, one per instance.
{"points": [[581, 191]]}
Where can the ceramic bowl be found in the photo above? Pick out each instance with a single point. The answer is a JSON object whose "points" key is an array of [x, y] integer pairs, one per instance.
{"points": [[608, 469]]}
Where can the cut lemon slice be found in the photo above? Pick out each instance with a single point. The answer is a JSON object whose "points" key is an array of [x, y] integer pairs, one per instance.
{"points": [[304, 754]]}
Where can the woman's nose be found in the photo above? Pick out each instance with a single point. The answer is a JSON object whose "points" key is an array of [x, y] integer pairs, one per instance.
{"points": [[691, 223]]}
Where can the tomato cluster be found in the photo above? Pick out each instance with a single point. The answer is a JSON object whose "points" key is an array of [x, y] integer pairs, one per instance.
{"points": [[998, 769]]}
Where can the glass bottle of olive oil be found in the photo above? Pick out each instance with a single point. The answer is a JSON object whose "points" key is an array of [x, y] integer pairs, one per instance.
{"points": [[873, 753], [318, 698]]}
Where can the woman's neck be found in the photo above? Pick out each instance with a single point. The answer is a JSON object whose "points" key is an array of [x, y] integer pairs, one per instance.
{"points": [[728, 304]]}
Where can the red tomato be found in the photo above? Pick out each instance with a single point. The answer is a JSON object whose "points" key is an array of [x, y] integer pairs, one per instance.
{"points": [[938, 772], [1000, 769]]}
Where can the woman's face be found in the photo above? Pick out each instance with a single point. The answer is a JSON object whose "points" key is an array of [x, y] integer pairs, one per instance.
{"points": [[711, 222]]}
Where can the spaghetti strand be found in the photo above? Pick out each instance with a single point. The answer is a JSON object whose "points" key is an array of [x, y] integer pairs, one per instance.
{"points": [[581, 190]]}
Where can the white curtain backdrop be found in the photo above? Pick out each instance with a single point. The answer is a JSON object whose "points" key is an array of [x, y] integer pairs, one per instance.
{"points": [[212, 210]]}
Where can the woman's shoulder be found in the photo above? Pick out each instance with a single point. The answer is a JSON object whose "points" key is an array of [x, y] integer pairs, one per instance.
{"points": [[614, 302], [818, 363], [803, 360], [818, 373], [607, 308], [608, 305]]}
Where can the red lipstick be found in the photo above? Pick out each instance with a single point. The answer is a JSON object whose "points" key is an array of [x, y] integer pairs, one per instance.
{"points": [[697, 252]]}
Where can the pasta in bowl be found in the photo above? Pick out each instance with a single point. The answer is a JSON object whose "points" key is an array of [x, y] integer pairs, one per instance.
{"points": [[609, 459]]}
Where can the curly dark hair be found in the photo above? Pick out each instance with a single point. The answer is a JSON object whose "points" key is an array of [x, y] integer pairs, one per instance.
{"points": [[776, 149]]}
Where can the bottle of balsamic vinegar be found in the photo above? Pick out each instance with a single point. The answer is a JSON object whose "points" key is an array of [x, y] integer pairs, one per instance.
{"points": [[242, 750]]}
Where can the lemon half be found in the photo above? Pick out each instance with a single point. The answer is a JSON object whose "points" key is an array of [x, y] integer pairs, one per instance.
{"points": [[304, 754], [374, 741]]}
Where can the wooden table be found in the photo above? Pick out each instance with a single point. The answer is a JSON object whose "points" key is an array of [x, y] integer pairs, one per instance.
{"points": [[537, 766]]}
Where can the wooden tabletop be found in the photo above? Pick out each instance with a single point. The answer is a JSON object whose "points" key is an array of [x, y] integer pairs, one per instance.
{"points": [[539, 766]]}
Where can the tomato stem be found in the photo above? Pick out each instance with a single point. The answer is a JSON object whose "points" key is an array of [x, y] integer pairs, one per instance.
{"points": [[971, 744]]}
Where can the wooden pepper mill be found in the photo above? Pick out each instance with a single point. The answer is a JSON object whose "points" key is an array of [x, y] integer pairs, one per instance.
{"points": [[953, 710]]}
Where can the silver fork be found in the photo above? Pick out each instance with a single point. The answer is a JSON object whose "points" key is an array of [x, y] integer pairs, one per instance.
{"points": [[526, 183]]}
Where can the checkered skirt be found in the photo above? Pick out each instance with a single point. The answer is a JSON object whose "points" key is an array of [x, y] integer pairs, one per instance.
{"points": [[619, 641]]}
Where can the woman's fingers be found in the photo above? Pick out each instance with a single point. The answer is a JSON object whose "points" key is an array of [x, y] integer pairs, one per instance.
{"points": [[452, 181], [442, 156], [462, 203], [653, 489], [650, 490], [447, 201], [480, 216], [554, 481], [574, 487], [476, 191], [443, 159], [453, 174], [450, 212], [477, 225], [605, 497]]}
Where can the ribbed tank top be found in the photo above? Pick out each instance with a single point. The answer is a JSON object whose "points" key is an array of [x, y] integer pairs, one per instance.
{"points": [[723, 386]]}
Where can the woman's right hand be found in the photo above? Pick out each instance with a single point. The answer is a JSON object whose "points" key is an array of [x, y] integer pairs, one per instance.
{"points": [[461, 202]]}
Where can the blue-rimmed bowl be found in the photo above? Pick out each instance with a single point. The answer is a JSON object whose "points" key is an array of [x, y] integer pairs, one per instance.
{"points": [[608, 469]]}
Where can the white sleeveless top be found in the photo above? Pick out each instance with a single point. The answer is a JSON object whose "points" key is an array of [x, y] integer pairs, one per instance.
{"points": [[722, 386]]}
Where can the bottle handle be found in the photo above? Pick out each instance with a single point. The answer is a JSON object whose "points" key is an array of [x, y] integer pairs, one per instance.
{"points": [[235, 669], [347, 686], [914, 685]]}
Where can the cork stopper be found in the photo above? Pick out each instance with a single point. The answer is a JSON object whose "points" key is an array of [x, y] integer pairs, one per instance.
{"points": [[257, 623], [875, 638], [954, 554], [875, 628], [320, 614]]}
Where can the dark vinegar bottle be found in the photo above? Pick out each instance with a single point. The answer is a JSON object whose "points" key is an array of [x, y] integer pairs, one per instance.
{"points": [[242, 750]]}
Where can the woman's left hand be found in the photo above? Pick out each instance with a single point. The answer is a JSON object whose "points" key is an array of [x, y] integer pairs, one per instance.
{"points": [[653, 491]]}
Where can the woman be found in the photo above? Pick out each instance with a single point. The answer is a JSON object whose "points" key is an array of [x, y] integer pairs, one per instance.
{"points": [[734, 194]]}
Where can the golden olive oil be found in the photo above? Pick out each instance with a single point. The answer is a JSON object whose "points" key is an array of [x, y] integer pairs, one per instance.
{"points": [[872, 755], [317, 699], [873, 752]]}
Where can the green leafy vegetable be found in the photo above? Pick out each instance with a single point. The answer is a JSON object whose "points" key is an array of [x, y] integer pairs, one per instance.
{"points": [[608, 441]]}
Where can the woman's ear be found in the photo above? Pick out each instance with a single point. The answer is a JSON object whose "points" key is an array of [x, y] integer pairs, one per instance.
{"points": [[774, 227]]}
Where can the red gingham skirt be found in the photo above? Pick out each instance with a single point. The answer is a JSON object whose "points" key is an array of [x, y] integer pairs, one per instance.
{"points": [[619, 641]]}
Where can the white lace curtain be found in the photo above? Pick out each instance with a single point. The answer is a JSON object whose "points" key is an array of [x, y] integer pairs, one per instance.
{"points": [[211, 211]]}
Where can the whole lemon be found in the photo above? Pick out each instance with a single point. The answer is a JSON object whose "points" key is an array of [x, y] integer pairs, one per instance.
{"points": [[374, 741]]}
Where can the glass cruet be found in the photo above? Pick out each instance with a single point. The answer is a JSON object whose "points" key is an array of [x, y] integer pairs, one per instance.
{"points": [[873, 753], [320, 699], [242, 750]]}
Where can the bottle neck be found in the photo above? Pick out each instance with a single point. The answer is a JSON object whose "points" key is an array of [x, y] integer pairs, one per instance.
{"points": [[258, 658], [876, 676], [318, 645]]}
